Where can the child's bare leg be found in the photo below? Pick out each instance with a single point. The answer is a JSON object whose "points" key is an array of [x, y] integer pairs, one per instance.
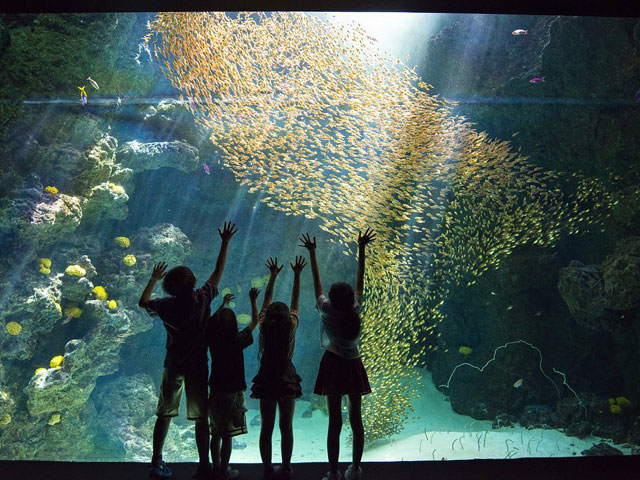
{"points": [[159, 434], [334, 404], [267, 421], [215, 449], [202, 440], [286, 408], [225, 452], [357, 429]]}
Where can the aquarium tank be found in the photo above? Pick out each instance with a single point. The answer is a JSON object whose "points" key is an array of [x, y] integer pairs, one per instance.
{"points": [[495, 157]]}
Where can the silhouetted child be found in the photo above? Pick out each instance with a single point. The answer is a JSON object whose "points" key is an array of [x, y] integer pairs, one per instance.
{"points": [[341, 370], [277, 382], [226, 382], [184, 314]]}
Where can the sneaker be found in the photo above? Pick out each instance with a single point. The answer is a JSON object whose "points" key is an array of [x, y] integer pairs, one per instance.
{"points": [[282, 473], [203, 471], [333, 476], [353, 474], [228, 474], [159, 469]]}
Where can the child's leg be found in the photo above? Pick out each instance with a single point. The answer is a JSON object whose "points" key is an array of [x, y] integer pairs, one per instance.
{"points": [[202, 440], [215, 449], [286, 407], [225, 452], [357, 429], [267, 421], [159, 434], [334, 404]]}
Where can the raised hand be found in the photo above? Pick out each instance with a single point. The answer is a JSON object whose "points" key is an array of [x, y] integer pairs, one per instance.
{"points": [[368, 236], [228, 298], [299, 265], [253, 293], [159, 271], [272, 265], [227, 231], [307, 242]]}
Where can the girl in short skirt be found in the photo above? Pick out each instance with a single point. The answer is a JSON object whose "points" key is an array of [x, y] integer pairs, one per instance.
{"points": [[341, 369], [277, 382]]}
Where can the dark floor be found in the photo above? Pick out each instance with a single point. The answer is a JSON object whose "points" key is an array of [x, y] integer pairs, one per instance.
{"points": [[582, 468]]}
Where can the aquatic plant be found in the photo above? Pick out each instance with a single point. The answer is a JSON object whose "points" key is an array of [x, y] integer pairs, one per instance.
{"points": [[329, 126]]}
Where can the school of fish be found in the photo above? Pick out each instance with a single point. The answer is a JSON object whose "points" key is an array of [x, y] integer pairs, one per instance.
{"points": [[313, 114]]}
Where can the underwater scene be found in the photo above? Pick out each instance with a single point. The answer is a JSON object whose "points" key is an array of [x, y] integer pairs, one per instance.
{"points": [[495, 157]]}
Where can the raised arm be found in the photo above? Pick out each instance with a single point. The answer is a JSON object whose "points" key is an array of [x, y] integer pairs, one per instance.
{"points": [[157, 274], [315, 271], [225, 235], [272, 265], [362, 243], [295, 291], [228, 298], [253, 296]]}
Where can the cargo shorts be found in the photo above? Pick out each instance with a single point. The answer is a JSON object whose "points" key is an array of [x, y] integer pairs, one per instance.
{"points": [[227, 414], [193, 382]]}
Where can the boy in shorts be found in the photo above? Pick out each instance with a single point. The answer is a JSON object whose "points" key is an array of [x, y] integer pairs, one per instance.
{"points": [[184, 314], [227, 383]]}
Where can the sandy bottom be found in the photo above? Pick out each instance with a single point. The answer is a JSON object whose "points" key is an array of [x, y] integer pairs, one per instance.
{"points": [[433, 432]]}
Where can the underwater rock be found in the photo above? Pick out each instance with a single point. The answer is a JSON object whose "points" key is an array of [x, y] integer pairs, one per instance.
{"points": [[106, 201], [601, 449], [151, 156], [255, 421], [162, 242], [36, 305], [238, 444], [582, 288], [621, 274]]}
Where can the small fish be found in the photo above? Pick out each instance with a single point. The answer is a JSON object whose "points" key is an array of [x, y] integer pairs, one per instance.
{"points": [[373, 39], [68, 319], [83, 95], [206, 169], [192, 103], [519, 31], [93, 83], [536, 80], [518, 383]]}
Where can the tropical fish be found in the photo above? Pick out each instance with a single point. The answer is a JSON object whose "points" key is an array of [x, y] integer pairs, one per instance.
{"points": [[83, 95], [206, 169], [519, 31], [93, 83], [68, 319], [536, 80], [518, 383]]}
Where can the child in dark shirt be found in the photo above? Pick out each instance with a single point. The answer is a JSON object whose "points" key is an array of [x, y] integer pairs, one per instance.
{"points": [[226, 382], [184, 314], [277, 383]]}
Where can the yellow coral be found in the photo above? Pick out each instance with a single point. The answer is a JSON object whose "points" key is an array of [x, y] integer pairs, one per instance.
{"points": [[116, 188], [123, 242], [624, 402], [243, 318], [112, 304], [45, 270], [14, 328], [74, 311], [129, 260], [40, 370], [465, 350], [55, 418], [257, 282], [5, 419], [56, 361], [225, 291], [615, 408], [58, 307], [50, 189], [99, 292], [612, 401], [76, 270], [46, 262]]}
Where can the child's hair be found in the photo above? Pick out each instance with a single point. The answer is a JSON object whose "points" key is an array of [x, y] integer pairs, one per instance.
{"points": [[275, 331], [225, 326], [342, 298], [179, 281]]}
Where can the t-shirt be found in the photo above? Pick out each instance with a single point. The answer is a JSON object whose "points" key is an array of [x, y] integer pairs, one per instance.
{"points": [[332, 332], [185, 320], [293, 315], [227, 360]]}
